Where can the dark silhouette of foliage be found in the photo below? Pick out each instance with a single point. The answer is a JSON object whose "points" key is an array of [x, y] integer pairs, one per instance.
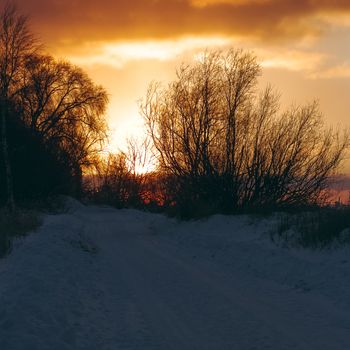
{"points": [[16, 43], [37, 173], [60, 103], [52, 117]]}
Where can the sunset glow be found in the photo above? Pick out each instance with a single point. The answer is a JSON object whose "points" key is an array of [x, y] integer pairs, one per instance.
{"points": [[124, 45], [119, 54], [164, 164]]}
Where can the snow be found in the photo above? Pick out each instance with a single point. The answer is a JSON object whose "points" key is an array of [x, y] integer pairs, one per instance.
{"points": [[100, 278]]}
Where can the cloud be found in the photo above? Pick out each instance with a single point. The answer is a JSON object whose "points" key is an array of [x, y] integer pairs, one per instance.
{"points": [[292, 60], [314, 65], [203, 3], [117, 54], [338, 71], [72, 22]]}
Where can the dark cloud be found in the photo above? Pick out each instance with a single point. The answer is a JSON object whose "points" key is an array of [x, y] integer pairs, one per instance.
{"points": [[72, 21]]}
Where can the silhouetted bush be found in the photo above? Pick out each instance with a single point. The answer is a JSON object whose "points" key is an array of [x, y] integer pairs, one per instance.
{"points": [[227, 148], [37, 173]]}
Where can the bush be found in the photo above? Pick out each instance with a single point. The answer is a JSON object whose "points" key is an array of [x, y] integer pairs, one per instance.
{"points": [[222, 141]]}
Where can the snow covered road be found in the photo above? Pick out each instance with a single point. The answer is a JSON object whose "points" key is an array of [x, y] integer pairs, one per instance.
{"points": [[98, 278]]}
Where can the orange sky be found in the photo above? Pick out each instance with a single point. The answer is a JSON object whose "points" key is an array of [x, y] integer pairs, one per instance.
{"points": [[303, 45]]}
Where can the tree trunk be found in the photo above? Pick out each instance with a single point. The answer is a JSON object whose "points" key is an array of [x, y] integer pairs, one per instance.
{"points": [[5, 154]]}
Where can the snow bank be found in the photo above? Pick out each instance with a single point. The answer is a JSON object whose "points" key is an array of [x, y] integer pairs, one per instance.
{"points": [[244, 243], [100, 278]]}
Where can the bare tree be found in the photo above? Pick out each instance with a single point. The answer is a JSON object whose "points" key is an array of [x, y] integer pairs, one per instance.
{"points": [[59, 102], [197, 122], [114, 180], [141, 163], [227, 144], [16, 44]]}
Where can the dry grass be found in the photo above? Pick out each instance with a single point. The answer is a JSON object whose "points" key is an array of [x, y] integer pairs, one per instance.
{"points": [[16, 224], [315, 229]]}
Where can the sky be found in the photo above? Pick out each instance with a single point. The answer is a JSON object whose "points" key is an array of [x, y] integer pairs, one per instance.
{"points": [[302, 45]]}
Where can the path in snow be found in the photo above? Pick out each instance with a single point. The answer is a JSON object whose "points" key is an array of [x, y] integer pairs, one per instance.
{"points": [[106, 279]]}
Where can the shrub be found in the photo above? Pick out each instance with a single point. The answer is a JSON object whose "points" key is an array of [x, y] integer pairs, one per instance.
{"points": [[224, 142]]}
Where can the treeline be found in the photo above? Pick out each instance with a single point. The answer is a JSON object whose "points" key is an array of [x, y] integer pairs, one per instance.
{"points": [[215, 143], [52, 123]]}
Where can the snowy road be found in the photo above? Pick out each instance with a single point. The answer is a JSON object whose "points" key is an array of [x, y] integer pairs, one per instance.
{"points": [[106, 279]]}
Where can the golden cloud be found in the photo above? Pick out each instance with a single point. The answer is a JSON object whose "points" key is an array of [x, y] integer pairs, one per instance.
{"points": [[71, 22]]}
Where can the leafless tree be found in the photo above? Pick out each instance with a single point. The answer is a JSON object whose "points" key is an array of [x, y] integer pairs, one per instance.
{"points": [[228, 144], [123, 177], [141, 163], [16, 44], [56, 100], [60, 103], [113, 180]]}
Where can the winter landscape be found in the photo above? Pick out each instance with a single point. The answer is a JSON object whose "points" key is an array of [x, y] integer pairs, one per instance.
{"points": [[100, 278], [174, 174]]}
